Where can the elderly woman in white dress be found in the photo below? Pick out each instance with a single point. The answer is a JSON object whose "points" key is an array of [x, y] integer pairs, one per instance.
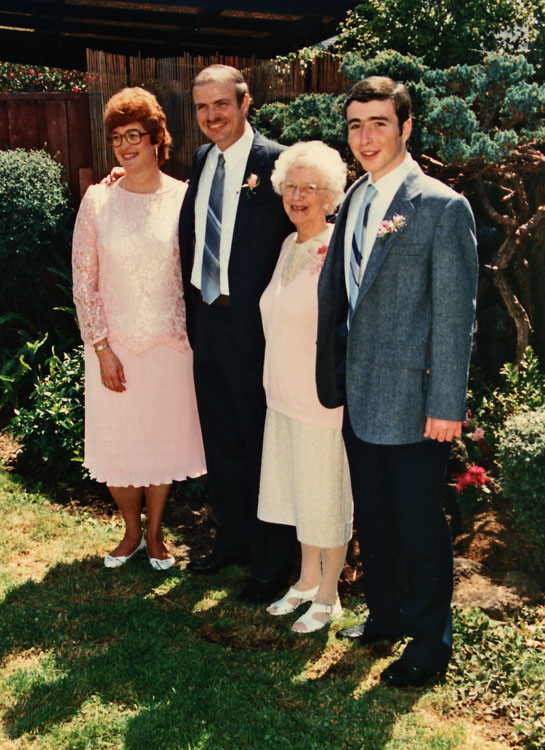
{"points": [[141, 424], [304, 477]]}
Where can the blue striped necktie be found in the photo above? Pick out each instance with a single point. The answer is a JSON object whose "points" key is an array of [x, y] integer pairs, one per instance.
{"points": [[358, 244], [210, 279]]}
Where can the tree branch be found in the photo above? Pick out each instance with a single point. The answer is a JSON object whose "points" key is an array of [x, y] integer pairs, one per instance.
{"points": [[506, 221], [515, 309]]}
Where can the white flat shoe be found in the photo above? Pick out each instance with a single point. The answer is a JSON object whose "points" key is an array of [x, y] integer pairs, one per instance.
{"points": [[116, 562], [158, 564], [284, 606], [311, 623]]}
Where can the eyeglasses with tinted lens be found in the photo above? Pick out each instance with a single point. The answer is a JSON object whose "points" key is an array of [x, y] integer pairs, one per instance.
{"points": [[306, 189], [133, 137]]}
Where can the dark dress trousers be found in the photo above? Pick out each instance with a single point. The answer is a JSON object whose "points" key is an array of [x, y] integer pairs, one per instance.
{"points": [[404, 358], [228, 346]]}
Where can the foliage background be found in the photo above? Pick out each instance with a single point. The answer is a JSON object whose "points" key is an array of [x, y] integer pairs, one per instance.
{"points": [[16, 78]]}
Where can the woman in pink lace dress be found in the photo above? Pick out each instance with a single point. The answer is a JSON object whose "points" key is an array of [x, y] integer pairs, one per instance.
{"points": [[141, 424]]}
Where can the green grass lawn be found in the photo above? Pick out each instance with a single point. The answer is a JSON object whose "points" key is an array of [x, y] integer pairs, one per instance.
{"points": [[130, 658]]}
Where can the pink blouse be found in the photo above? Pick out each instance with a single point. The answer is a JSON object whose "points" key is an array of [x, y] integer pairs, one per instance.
{"points": [[289, 310], [126, 266]]}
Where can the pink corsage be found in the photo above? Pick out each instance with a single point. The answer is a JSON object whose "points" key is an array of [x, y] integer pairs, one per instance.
{"points": [[391, 226], [252, 182]]}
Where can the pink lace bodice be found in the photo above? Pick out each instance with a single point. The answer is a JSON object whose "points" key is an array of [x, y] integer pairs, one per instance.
{"points": [[126, 267]]}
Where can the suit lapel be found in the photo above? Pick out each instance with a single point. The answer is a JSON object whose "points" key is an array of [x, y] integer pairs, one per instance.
{"points": [[402, 204], [245, 201]]}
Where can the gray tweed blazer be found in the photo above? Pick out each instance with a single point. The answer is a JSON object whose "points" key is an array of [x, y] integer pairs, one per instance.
{"points": [[406, 355]]}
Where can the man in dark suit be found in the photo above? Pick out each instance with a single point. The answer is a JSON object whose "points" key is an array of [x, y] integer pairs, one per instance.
{"points": [[396, 310], [232, 225]]}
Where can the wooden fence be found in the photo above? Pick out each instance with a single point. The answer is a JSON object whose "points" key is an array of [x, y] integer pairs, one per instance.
{"points": [[69, 125], [170, 79], [58, 123]]}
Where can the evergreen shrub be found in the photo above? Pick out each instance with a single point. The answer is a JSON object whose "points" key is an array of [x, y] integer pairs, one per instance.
{"points": [[521, 456], [307, 118], [36, 221]]}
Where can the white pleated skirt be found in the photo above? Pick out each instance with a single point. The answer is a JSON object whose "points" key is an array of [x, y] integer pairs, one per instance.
{"points": [[150, 433], [305, 481]]}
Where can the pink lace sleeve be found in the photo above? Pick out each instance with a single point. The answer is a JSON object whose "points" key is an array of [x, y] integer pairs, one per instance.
{"points": [[89, 306]]}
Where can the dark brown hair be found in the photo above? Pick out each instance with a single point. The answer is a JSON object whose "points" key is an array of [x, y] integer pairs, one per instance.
{"points": [[381, 87], [138, 105]]}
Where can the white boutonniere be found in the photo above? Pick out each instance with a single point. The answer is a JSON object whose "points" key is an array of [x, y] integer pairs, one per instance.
{"points": [[390, 226], [252, 182]]}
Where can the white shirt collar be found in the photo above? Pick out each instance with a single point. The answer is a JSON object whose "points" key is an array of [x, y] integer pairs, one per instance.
{"points": [[388, 185], [237, 150]]}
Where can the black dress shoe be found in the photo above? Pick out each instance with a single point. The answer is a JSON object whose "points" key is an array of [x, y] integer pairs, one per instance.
{"points": [[259, 592], [216, 561], [209, 564], [364, 635], [403, 673]]}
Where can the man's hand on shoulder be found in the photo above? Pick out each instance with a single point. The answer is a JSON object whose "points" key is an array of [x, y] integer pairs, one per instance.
{"points": [[442, 429], [116, 174]]}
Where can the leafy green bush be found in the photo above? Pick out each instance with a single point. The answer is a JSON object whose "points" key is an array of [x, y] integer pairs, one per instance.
{"points": [[36, 220], [309, 117], [28, 78], [19, 364], [50, 428], [521, 456], [444, 34], [522, 389]]}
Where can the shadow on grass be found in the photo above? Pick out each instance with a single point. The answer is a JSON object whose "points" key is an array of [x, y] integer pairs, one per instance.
{"points": [[186, 664]]}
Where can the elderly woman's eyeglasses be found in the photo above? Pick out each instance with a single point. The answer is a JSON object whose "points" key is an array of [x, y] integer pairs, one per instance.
{"points": [[133, 137], [306, 189]]}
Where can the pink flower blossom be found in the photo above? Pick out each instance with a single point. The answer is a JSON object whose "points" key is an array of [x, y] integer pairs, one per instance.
{"points": [[252, 181], [390, 226], [475, 476], [31, 71], [478, 435], [12, 75]]}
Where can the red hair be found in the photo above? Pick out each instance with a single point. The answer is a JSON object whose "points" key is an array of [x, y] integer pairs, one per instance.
{"points": [[138, 105]]}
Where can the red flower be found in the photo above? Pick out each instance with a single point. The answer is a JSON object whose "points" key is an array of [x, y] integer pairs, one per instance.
{"points": [[475, 476], [75, 88], [31, 71], [12, 75], [40, 75]]}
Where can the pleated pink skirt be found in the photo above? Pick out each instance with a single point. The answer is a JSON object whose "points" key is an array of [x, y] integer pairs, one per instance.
{"points": [[150, 433]]}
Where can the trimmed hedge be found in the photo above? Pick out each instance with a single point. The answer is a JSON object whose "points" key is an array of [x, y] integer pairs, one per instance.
{"points": [[521, 456], [36, 221]]}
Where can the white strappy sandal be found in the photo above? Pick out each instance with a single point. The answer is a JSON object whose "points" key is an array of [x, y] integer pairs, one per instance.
{"points": [[284, 607], [116, 562], [311, 623]]}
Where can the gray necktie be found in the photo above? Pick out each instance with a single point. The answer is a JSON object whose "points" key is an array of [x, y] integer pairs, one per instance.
{"points": [[210, 279]]}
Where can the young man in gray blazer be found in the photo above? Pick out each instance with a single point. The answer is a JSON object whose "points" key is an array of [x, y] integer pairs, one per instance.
{"points": [[242, 238], [396, 310]]}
